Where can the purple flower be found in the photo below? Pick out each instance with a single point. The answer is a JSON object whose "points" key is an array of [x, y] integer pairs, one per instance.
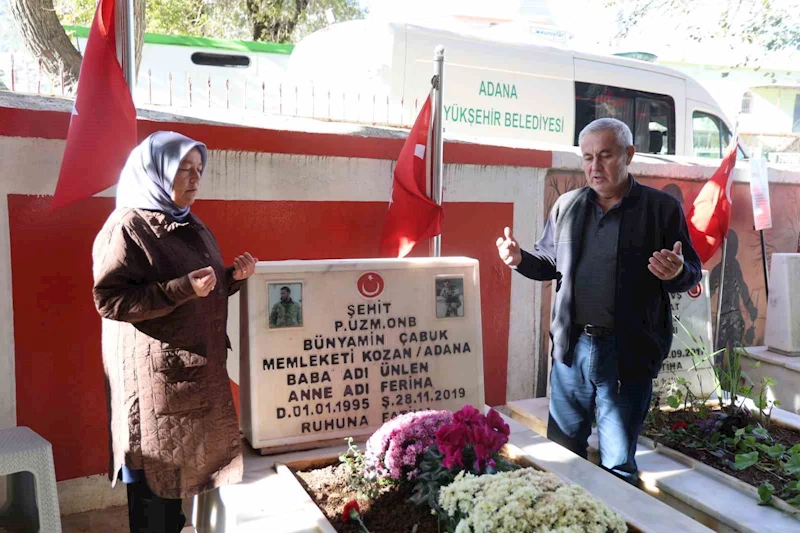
{"points": [[396, 448], [707, 426]]}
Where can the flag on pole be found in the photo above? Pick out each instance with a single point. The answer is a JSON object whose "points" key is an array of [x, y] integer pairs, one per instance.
{"points": [[413, 216], [102, 129], [710, 215]]}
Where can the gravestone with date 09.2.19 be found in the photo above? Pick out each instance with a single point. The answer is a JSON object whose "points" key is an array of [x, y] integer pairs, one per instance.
{"points": [[688, 359], [332, 349]]}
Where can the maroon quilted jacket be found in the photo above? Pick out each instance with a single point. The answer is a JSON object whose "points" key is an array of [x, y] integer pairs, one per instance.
{"points": [[164, 353]]}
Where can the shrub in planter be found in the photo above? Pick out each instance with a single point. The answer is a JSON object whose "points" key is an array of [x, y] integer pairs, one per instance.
{"points": [[524, 501]]}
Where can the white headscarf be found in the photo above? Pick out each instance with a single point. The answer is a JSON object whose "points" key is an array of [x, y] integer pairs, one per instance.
{"points": [[146, 181]]}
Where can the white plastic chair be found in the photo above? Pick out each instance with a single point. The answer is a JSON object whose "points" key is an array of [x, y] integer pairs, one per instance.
{"points": [[23, 450]]}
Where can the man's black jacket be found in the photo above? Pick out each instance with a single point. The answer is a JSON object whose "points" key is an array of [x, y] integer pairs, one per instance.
{"points": [[651, 220]]}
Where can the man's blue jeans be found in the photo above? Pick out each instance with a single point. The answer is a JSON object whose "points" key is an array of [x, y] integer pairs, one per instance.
{"points": [[590, 384]]}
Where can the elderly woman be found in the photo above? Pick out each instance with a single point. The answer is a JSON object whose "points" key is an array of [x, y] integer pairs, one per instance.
{"points": [[162, 290]]}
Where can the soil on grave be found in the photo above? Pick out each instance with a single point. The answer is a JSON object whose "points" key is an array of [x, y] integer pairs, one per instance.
{"points": [[327, 486], [753, 476]]}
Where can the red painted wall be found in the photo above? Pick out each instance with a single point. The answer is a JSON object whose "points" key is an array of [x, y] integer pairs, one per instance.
{"points": [[54, 124], [59, 372]]}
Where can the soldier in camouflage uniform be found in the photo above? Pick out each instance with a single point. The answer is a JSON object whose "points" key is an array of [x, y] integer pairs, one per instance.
{"points": [[285, 313], [451, 299]]}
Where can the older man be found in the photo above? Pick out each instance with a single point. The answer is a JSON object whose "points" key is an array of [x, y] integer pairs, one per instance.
{"points": [[615, 249]]}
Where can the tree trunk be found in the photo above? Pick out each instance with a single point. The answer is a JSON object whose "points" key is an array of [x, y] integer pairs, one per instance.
{"points": [[46, 40], [271, 22]]}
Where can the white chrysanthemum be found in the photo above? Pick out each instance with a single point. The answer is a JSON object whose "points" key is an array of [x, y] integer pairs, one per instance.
{"points": [[525, 501]]}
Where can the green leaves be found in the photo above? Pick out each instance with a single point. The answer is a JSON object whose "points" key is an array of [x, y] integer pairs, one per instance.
{"points": [[765, 492], [769, 25], [673, 401], [355, 466], [775, 452], [745, 460], [761, 432], [793, 465]]}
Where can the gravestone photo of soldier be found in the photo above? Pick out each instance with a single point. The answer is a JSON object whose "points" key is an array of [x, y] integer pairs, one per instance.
{"points": [[286, 305], [449, 295]]}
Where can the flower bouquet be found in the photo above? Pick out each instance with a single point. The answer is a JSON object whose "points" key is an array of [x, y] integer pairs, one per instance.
{"points": [[471, 442], [524, 501], [450, 465]]}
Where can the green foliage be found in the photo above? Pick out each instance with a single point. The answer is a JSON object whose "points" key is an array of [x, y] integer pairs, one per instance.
{"points": [[733, 434], [368, 487], [745, 460], [765, 492], [792, 466], [265, 20], [291, 20], [315, 17], [177, 17], [75, 12], [771, 25]]}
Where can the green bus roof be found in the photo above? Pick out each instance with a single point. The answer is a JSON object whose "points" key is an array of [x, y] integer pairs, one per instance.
{"points": [[202, 42]]}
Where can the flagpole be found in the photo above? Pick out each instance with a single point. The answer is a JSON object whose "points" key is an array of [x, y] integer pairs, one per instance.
{"points": [[719, 295], [438, 139], [764, 262], [718, 359], [129, 44]]}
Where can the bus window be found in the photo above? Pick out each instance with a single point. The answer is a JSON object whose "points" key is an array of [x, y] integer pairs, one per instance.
{"points": [[651, 117], [706, 135], [726, 137], [220, 60], [655, 127], [711, 137]]}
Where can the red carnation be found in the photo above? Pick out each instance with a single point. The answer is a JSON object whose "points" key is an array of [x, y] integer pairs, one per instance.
{"points": [[680, 424], [351, 511]]}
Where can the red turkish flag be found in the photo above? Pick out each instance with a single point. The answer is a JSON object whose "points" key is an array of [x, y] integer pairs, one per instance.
{"points": [[710, 215], [102, 129], [413, 216]]}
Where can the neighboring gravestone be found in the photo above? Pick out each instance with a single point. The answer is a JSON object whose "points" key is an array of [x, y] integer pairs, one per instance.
{"points": [[333, 349], [692, 311], [783, 312]]}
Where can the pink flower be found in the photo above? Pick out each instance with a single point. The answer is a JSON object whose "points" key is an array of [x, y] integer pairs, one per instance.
{"points": [[451, 440], [496, 422], [453, 458], [452, 436], [468, 415]]}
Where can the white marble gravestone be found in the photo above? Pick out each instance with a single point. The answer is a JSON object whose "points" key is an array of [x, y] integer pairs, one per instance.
{"points": [[354, 343], [783, 311], [691, 312]]}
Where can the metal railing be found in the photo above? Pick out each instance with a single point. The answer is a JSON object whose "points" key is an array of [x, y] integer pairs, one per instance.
{"points": [[235, 94]]}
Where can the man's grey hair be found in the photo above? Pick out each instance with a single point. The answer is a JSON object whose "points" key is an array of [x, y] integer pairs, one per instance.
{"points": [[621, 131]]}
